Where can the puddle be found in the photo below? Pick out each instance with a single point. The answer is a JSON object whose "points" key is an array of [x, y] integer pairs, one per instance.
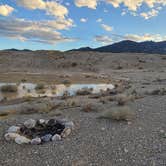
{"points": [[54, 90]]}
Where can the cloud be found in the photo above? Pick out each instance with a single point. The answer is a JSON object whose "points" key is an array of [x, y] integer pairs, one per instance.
{"points": [[145, 37], [107, 27], [51, 7], [149, 14], [6, 10], [86, 3], [83, 19], [99, 20], [133, 5], [103, 39], [25, 30]]}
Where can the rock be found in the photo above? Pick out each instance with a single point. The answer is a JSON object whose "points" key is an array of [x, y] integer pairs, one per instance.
{"points": [[30, 123], [41, 121], [69, 124], [66, 132], [36, 141], [46, 138], [22, 140], [11, 136], [56, 137], [62, 121], [51, 122], [13, 129]]}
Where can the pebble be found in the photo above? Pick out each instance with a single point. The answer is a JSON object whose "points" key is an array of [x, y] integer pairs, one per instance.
{"points": [[41, 121], [56, 137], [36, 141], [13, 129], [46, 138], [70, 125], [30, 123], [11, 136], [66, 132], [22, 140]]}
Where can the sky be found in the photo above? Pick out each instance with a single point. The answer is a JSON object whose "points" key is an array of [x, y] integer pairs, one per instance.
{"points": [[68, 24]]}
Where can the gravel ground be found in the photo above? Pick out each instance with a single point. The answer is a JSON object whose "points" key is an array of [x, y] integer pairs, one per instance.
{"points": [[99, 142]]}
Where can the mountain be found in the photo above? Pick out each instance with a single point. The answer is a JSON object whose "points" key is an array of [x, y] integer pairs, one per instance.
{"points": [[83, 49], [131, 47]]}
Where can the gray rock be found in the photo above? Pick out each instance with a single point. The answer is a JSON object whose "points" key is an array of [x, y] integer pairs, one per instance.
{"points": [[11, 136], [56, 137], [13, 129], [69, 124], [66, 132], [41, 121], [22, 140], [46, 138], [36, 141], [30, 123]]}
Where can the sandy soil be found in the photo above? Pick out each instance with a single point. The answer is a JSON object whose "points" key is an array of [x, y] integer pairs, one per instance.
{"points": [[95, 141]]}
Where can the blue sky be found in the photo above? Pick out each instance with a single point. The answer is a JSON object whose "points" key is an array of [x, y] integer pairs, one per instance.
{"points": [[64, 24]]}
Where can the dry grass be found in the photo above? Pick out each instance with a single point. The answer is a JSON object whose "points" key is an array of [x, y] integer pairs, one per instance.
{"points": [[119, 113], [9, 88]]}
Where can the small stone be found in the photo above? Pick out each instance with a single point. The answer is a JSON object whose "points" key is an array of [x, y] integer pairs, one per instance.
{"points": [[13, 129], [46, 138], [36, 141], [41, 121], [56, 137], [161, 131], [126, 150], [22, 140], [66, 132], [30, 123], [102, 128], [11, 136], [70, 125]]}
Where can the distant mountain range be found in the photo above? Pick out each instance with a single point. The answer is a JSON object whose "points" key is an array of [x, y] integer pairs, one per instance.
{"points": [[128, 46]]}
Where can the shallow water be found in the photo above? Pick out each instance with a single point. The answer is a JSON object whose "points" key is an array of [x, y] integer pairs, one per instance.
{"points": [[28, 89]]}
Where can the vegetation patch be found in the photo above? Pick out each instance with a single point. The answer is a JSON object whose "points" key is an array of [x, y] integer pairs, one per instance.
{"points": [[9, 88], [119, 113]]}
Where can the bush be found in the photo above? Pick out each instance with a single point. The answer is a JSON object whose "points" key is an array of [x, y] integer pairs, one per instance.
{"points": [[39, 87], [9, 88], [119, 113]]}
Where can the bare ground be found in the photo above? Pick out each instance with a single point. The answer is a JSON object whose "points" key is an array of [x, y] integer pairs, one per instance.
{"points": [[95, 141]]}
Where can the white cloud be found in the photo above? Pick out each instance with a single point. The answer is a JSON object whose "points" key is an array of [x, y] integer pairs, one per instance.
{"points": [[103, 39], [24, 30], [51, 7], [145, 37], [99, 20], [83, 19], [86, 3], [6, 10], [32, 4], [149, 14], [135, 4], [107, 27]]}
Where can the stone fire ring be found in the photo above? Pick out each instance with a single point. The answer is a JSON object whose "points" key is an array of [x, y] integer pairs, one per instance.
{"points": [[40, 131]]}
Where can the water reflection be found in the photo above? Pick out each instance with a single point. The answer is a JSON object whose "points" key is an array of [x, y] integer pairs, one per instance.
{"points": [[28, 89]]}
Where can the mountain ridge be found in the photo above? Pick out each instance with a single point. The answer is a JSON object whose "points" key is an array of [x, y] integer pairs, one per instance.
{"points": [[128, 46]]}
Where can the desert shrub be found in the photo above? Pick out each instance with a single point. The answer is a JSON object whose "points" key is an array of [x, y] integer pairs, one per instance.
{"points": [[74, 64], [66, 82], [40, 86], [9, 88], [84, 91], [123, 99], [119, 113]]}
